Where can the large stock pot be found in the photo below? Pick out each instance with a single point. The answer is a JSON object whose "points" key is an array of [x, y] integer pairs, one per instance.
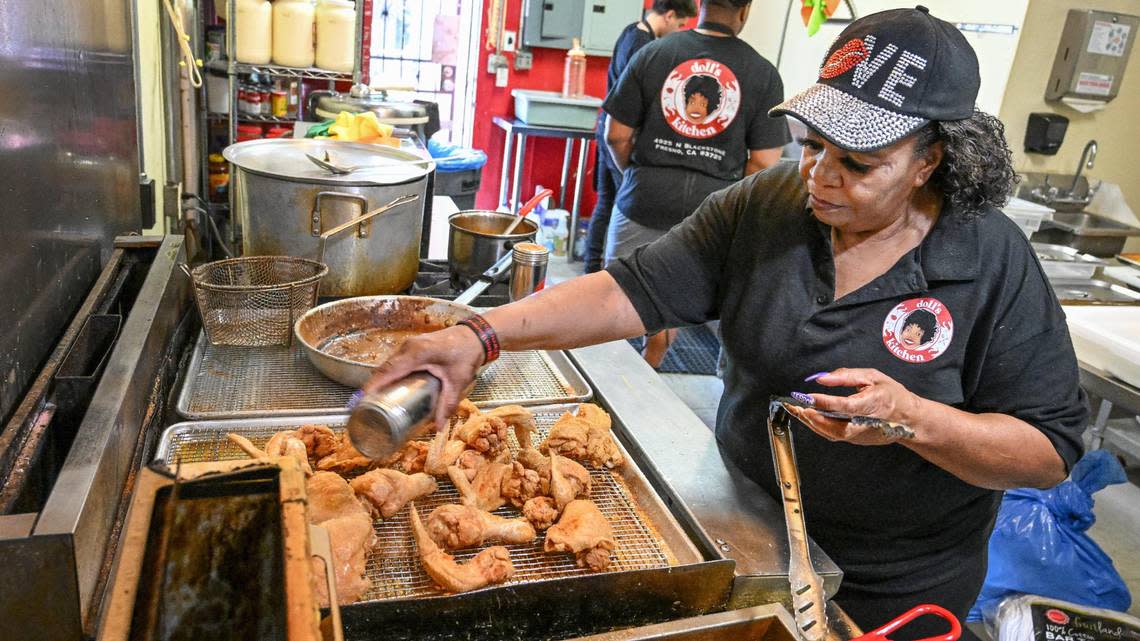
{"points": [[284, 202]]}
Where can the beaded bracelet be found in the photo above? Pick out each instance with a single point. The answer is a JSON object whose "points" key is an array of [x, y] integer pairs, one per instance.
{"points": [[486, 335]]}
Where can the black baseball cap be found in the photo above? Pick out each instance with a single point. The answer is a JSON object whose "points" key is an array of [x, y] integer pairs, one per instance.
{"points": [[887, 75]]}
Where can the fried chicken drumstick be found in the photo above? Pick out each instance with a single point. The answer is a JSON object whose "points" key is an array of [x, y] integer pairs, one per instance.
{"points": [[489, 566]]}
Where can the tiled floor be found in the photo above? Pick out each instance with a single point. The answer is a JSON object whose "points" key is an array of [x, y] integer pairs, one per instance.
{"points": [[1117, 510]]}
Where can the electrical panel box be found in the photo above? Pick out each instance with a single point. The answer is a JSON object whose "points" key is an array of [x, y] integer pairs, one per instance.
{"points": [[597, 23], [1092, 55]]}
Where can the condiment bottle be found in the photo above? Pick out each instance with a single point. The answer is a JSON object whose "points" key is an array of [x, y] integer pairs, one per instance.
{"points": [[253, 30], [293, 33], [383, 422], [574, 75]]}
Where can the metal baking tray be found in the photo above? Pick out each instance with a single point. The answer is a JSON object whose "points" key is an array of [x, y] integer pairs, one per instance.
{"points": [[249, 382], [1062, 261], [647, 535], [1092, 292]]}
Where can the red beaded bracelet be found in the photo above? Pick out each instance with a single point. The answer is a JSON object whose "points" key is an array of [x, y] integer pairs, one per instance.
{"points": [[486, 335]]}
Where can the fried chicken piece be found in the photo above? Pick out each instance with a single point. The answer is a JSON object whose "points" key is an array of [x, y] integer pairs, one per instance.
{"points": [[483, 433], [489, 566], [574, 479], [585, 436], [521, 420], [584, 531], [388, 491], [319, 440], [281, 444], [521, 484], [485, 491], [442, 453], [466, 410], [409, 459], [330, 496], [345, 459], [568, 481], [350, 538], [460, 526], [541, 512], [334, 506]]}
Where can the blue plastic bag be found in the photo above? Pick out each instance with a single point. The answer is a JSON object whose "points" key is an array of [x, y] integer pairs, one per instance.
{"points": [[451, 158], [1039, 545]]}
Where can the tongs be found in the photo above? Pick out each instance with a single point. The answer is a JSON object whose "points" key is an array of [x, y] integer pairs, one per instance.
{"points": [[889, 429], [806, 585]]}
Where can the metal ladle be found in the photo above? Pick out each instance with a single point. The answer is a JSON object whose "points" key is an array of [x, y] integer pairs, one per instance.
{"points": [[526, 209]]}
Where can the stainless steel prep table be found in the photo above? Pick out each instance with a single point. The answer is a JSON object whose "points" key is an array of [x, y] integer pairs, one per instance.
{"points": [[726, 514]]}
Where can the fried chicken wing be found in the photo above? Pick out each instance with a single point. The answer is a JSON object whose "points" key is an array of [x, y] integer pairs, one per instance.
{"points": [[442, 453], [541, 512], [520, 419], [280, 444], [388, 491], [489, 566], [466, 410], [584, 531], [584, 436], [330, 496], [460, 526], [345, 458], [483, 433], [485, 491]]}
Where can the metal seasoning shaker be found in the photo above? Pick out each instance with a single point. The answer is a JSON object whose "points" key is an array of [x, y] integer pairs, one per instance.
{"points": [[383, 422], [528, 269]]}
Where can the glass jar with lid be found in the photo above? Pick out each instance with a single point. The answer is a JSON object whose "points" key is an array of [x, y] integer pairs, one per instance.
{"points": [[293, 32], [253, 30], [336, 35]]}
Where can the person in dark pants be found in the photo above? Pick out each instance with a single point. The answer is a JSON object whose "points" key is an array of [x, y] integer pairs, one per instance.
{"points": [[665, 17], [825, 277]]}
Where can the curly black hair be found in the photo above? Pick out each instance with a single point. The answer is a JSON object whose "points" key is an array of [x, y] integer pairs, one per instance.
{"points": [[977, 167], [926, 321], [707, 86]]}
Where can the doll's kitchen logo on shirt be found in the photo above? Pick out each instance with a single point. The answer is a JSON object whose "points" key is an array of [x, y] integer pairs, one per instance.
{"points": [[700, 98], [918, 330]]}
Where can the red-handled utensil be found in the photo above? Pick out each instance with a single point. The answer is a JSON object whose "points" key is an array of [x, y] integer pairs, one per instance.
{"points": [[880, 633], [526, 209]]}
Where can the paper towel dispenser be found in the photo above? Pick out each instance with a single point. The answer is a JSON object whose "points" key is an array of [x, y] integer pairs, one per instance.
{"points": [[1091, 58]]}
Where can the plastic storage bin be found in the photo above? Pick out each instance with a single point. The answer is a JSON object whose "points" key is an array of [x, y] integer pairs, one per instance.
{"points": [[550, 109], [1028, 215]]}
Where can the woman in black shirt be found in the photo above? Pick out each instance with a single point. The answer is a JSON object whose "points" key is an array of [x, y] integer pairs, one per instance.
{"points": [[879, 278]]}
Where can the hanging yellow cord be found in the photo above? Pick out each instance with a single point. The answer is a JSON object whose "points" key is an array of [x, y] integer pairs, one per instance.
{"points": [[188, 61]]}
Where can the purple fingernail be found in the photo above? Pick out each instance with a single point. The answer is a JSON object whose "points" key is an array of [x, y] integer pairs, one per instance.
{"points": [[803, 398], [815, 376], [355, 398]]}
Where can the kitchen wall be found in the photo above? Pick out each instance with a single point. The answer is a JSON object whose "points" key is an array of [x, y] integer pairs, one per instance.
{"points": [[1116, 128], [802, 55]]}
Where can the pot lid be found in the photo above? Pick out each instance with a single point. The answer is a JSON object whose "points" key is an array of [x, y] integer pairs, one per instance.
{"points": [[285, 158], [362, 98]]}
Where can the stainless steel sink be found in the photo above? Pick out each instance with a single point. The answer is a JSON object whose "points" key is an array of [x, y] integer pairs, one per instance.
{"points": [[1086, 233], [1086, 224]]}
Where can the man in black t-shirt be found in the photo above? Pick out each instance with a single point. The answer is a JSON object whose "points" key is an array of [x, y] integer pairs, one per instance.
{"points": [[688, 117], [664, 18]]}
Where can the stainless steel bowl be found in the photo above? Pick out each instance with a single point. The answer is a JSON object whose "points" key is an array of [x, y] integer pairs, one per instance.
{"points": [[346, 339], [476, 240]]}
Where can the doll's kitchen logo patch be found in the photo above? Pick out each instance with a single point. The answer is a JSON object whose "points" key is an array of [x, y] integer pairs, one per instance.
{"points": [[918, 330], [700, 98]]}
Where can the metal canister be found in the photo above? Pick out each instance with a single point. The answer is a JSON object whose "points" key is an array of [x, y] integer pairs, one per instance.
{"points": [[528, 269], [383, 422]]}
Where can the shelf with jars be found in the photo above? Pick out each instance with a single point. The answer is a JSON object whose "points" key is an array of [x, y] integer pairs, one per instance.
{"points": [[283, 42]]}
